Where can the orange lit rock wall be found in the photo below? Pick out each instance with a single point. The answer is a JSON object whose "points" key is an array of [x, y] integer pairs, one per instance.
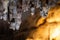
{"points": [[48, 28]]}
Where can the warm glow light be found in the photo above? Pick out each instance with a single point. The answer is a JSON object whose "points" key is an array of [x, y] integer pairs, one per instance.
{"points": [[55, 33]]}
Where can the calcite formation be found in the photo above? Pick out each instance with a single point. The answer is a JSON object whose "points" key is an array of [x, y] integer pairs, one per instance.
{"points": [[48, 30]]}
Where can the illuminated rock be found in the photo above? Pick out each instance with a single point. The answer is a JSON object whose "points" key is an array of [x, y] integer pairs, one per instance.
{"points": [[48, 30]]}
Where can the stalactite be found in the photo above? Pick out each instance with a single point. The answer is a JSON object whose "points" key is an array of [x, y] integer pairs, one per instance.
{"points": [[21, 9]]}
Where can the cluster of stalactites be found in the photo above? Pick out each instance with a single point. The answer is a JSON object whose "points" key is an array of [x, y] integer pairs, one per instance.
{"points": [[15, 15], [43, 5], [10, 12]]}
